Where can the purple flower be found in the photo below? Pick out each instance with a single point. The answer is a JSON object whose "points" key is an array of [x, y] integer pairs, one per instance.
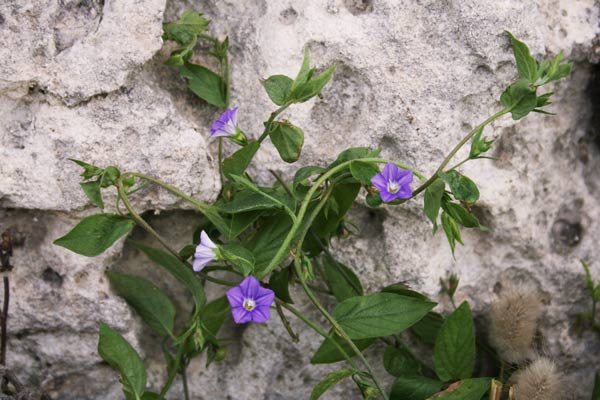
{"points": [[205, 252], [393, 183], [226, 124], [250, 301]]}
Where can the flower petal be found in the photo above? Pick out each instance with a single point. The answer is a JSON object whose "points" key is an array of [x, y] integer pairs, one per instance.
{"points": [[387, 196], [389, 171], [405, 192], [235, 297], [379, 181], [404, 177], [261, 314], [264, 297], [205, 240], [201, 262], [241, 315], [250, 287]]}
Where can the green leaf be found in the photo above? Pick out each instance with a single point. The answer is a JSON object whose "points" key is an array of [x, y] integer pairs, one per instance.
{"points": [[342, 281], [462, 187], [543, 99], [403, 290], [479, 145], [96, 233], [119, 354], [596, 393], [279, 282], [520, 97], [379, 314], [214, 315], [433, 201], [313, 87], [265, 244], [109, 176], [414, 388], [468, 389], [455, 346], [400, 362], [363, 172], [304, 73], [89, 170], [92, 191], [151, 396], [238, 223], [354, 153], [330, 380], [244, 201], [237, 163], [284, 202], [304, 173], [526, 64], [329, 219], [186, 29], [204, 83], [329, 353], [278, 88], [428, 328], [288, 140], [241, 258], [178, 269], [451, 230], [373, 200], [147, 300], [461, 215]]}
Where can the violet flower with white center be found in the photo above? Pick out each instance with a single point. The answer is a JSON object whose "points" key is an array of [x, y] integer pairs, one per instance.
{"points": [[393, 183], [250, 302], [205, 252], [226, 126]]}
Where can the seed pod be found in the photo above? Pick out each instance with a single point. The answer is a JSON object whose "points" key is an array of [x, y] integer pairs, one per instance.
{"points": [[513, 322], [538, 381]]}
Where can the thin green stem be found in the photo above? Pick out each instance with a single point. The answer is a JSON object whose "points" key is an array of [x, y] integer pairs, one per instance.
{"points": [[457, 148], [173, 373], [286, 324], [220, 158], [318, 330], [337, 328], [169, 188], [186, 392], [282, 182], [274, 115]]}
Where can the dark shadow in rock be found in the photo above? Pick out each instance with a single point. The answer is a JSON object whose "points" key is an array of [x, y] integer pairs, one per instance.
{"points": [[357, 7]]}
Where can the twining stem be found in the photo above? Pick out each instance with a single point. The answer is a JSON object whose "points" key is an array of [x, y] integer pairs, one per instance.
{"points": [[173, 373], [457, 148], [274, 115], [183, 372], [317, 329], [286, 324], [336, 326]]}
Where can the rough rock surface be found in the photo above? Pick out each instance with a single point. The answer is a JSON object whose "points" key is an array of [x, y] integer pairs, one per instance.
{"points": [[85, 79]]}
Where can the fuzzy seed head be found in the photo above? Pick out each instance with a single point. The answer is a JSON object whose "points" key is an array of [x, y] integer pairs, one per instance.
{"points": [[538, 381], [513, 322]]}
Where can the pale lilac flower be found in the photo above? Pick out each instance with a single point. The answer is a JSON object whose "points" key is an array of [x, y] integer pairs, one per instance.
{"points": [[226, 124], [205, 252], [393, 183], [250, 302]]}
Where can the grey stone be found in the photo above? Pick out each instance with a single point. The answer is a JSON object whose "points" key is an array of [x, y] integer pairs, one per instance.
{"points": [[86, 80]]}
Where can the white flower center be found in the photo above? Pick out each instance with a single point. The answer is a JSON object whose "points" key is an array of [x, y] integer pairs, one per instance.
{"points": [[393, 187], [249, 304]]}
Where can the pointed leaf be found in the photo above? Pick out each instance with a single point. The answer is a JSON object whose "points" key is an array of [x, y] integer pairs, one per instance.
{"points": [[147, 300], [119, 354], [96, 233], [204, 83], [330, 380], [379, 314], [433, 201], [237, 163], [92, 191], [462, 187], [288, 140], [278, 88], [342, 281], [280, 282], [414, 388], [241, 258], [526, 64], [455, 346], [178, 269], [400, 362], [329, 353]]}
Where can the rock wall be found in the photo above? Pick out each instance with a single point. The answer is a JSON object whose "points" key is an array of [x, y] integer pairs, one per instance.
{"points": [[85, 79]]}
